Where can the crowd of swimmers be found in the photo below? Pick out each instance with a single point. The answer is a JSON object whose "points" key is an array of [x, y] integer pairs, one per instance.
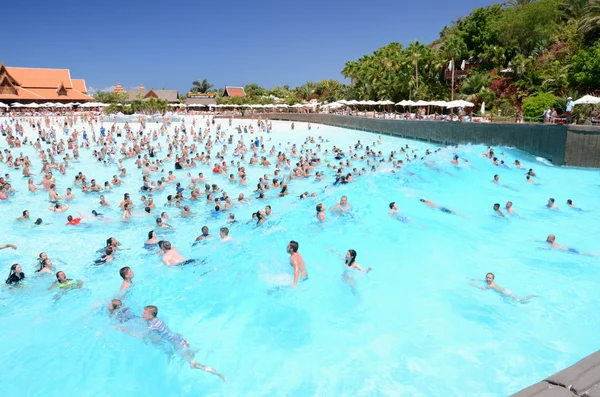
{"points": [[184, 152]]}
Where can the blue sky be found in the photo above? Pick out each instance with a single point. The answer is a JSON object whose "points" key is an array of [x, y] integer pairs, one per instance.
{"points": [[168, 44]]}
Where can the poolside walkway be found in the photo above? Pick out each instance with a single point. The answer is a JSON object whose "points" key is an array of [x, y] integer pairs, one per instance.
{"points": [[580, 379]]}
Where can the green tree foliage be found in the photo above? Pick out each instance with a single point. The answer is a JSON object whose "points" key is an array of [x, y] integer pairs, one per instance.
{"points": [[201, 86], [534, 106], [254, 90], [585, 70], [526, 26], [111, 97], [478, 30]]}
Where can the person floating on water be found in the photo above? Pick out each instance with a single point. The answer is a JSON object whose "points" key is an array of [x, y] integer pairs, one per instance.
{"points": [[158, 331], [551, 239], [297, 262], [433, 205], [490, 284]]}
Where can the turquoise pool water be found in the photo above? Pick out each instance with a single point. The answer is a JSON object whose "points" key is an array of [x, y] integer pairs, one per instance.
{"points": [[414, 326]]}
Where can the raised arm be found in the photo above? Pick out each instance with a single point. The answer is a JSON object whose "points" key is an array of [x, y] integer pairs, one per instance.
{"points": [[8, 246]]}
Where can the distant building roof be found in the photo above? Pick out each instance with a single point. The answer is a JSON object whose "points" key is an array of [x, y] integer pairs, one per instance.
{"points": [[234, 92], [79, 85], [40, 85], [118, 88], [170, 95], [202, 101]]}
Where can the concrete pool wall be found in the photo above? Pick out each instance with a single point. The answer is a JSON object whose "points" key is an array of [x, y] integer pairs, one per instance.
{"points": [[577, 146]]}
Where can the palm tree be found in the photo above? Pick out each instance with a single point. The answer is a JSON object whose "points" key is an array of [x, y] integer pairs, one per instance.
{"points": [[415, 48], [201, 86], [573, 9], [590, 19]]}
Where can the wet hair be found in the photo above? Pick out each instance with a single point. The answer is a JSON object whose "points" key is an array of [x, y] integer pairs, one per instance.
{"points": [[24, 212], [114, 304], [166, 245], [294, 246], [152, 310], [95, 213], [352, 257], [392, 204], [43, 264], [12, 271], [496, 206], [551, 200], [150, 233], [108, 241], [319, 207], [569, 201], [123, 271], [225, 231], [38, 221], [147, 209], [492, 274]]}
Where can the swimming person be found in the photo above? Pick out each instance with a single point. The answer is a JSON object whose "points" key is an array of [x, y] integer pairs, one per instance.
{"points": [[74, 221], [172, 256], [350, 262], [152, 241], [570, 204], [394, 213], [15, 275], [158, 331], [497, 210], [551, 239], [204, 234], [490, 284], [127, 276], [297, 262], [224, 234], [509, 208], [551, 204], [433, 205], [342, 206], [321, 213], [116, 310], [65, 283]]}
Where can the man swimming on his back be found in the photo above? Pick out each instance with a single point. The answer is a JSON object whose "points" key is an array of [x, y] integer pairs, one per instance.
{"points": [[489, 280]]}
